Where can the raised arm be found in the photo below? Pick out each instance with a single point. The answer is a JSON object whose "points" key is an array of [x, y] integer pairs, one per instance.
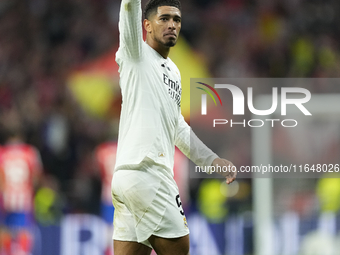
{"points": [[130, 28]]}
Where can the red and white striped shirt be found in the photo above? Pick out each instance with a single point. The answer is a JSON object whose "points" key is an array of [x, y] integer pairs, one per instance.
{"points": [[19, 164]]}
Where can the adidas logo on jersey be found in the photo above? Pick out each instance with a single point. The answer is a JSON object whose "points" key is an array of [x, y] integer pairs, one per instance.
{"points": [[165, 66]]}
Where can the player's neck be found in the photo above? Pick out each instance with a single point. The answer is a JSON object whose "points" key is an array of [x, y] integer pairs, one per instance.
{"points": [[161, 49]]}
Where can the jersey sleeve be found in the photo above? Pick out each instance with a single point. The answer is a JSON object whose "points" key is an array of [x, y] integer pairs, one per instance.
{"points": [[130, 29], [192, 146]]}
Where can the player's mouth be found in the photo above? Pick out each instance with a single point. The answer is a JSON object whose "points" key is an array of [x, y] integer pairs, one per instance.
{"points": [[170, 35]]}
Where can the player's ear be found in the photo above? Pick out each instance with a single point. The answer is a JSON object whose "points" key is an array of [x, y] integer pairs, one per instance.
{"points": [[147, 25]]}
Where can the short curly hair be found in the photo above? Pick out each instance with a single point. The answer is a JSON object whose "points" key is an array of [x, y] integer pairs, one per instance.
{"points": [[152, 6]]}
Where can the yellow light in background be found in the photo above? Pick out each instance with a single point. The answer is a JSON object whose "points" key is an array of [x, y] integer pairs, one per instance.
{"points": [[303, 56], [93, 91], [211, 200], [44, 200], [328, 192]]}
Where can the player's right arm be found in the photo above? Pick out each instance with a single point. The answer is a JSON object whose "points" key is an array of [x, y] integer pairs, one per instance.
{"points": [[130, 29]]}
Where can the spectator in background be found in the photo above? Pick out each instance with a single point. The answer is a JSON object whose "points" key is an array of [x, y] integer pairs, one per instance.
{"points": [[20, 169], [105, 156]]}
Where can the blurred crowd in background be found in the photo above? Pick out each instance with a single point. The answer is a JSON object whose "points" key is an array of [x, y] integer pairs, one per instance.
{"points": [[43, 41]]}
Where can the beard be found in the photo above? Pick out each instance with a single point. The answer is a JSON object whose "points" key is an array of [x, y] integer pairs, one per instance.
{"points": [[168, 43]]}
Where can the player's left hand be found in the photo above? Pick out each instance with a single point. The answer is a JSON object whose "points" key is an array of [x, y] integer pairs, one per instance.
{"points": [[230, 175]]}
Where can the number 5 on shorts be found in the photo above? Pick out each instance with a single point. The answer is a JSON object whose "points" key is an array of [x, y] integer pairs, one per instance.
{"points": [[179, 204]]}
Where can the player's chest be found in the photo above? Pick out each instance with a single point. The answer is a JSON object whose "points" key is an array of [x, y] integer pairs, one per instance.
{"points": [[168, 82]]}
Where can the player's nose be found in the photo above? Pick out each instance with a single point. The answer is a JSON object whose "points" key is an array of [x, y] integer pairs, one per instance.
{"points": [[172, 24]]}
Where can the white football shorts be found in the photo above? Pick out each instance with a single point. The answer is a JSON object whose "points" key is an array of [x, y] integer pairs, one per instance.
{"points": [[146, 203]]}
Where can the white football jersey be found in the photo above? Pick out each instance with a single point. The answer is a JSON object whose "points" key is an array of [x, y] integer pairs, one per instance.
{"points": [[151, 123]]}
